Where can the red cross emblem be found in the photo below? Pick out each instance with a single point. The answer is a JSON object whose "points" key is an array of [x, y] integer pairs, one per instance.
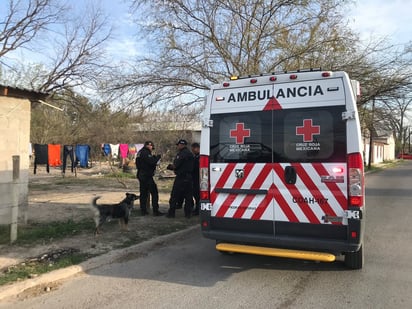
{"points": [[308, 130], [240, 133]]}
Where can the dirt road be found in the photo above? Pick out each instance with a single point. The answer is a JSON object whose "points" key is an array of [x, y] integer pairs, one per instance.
{"points": [[53, 198]]}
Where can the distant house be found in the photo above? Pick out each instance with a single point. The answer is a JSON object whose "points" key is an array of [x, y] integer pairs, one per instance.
{"points": [[192, 128], [383, 146], [15, 115]]}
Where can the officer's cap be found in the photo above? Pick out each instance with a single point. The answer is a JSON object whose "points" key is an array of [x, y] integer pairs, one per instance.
{"points": [[149, 143], [181, 142]]}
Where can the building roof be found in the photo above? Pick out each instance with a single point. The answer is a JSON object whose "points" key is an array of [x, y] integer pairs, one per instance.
{"points": [[168, 126], [14, 92]]}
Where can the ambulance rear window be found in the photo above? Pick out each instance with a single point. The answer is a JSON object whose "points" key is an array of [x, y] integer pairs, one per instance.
{"points": [[312, 135], [290, 135], [241, 137]]}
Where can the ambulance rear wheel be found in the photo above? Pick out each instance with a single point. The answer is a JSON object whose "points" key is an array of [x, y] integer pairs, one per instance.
{"points": [[354, 260]]}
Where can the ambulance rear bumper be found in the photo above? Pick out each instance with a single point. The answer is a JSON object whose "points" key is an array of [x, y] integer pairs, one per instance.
{"points": [[330, 238], [318, 244]]}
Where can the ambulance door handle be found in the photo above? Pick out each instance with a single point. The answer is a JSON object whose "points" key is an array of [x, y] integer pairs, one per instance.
{"points": [[290, 175]]}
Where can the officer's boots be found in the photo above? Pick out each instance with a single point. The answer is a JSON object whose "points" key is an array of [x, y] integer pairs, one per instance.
{"points": [[170, 213]]}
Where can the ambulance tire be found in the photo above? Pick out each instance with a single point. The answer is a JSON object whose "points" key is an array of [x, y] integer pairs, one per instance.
{"points": [[354, 260]]}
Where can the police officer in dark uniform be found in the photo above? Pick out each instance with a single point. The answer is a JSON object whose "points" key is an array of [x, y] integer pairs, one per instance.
{"points": [[146, 165], [183, 184]]}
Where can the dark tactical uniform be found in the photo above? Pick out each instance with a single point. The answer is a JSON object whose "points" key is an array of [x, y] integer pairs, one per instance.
{"points": [[183, 184], [146, 165]]}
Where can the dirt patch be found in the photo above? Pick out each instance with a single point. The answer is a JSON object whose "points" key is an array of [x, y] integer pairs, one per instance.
{"points": [[54, 198], [39, 290]]}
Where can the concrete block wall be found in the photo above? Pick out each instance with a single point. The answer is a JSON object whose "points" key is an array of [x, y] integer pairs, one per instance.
{"points": [[15, 138]]}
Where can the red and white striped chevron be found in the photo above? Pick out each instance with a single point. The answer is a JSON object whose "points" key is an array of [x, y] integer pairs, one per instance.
{"points": [[309, 200]]}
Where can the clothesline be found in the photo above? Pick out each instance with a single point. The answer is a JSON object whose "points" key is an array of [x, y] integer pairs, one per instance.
{"points": [[52, 154]]}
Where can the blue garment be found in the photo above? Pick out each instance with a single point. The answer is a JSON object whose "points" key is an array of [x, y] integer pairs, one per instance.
{"points": [[82, 155], [106, 149]]}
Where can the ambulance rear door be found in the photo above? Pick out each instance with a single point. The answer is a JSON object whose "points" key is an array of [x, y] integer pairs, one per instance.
{"points": [[309, 159], [241, 160], [310, 183]]}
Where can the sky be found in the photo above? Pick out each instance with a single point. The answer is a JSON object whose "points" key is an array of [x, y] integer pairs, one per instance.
{"points": [[369, 18], [378, 18], [124, 42]]}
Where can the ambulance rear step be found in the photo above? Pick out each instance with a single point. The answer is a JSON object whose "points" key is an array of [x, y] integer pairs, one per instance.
{"points": [[276, 252]]}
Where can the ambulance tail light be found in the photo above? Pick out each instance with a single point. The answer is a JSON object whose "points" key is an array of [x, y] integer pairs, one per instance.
{"points": [[204, 178], [355, 180]]}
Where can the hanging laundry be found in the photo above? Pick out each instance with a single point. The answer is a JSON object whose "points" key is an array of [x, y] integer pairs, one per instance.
{"points": [[41, 156], [82, 155], [123, 150], [106, 149], [132, 149], [68, 151], [114, 148], [138, 147], [54, 155], [132, 152]]}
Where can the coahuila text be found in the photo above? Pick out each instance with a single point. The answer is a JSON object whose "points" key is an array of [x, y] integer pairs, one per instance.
{"points": [[292, 92], [309, 200]]}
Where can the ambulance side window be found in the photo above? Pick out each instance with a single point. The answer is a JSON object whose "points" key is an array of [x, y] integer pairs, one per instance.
{"points": [[241, 137], [310, 135]]}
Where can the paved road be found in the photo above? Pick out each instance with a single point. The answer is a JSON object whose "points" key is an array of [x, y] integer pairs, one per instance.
{"points": [[189, 273]]}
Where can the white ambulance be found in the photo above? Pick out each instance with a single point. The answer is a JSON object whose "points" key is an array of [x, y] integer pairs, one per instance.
{"points": [[281, 168]]}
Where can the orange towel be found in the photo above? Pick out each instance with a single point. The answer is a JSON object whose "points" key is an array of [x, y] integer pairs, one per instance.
{"points": [[54, 155]]}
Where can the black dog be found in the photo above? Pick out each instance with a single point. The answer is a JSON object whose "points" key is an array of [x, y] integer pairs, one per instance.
{"points": [[121, 211]]}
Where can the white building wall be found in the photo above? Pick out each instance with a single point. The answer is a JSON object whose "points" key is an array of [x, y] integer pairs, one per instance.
{"points": [[15, 137], [389, 150]]}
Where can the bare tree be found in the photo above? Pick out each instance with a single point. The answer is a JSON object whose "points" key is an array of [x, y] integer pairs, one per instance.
{"points": [[80, 122], [383, 70], [395, 111], [78, 58], [69, 47], [195, 43], [24, 21], [203, 42]]}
